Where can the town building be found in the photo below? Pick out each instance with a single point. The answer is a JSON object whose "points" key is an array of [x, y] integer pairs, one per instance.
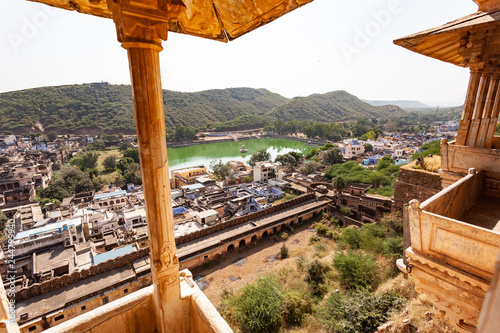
{"points": [[186, 176], [263, 171]]}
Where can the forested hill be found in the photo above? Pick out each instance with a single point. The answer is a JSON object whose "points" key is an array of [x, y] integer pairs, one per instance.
{"points": [[108, 108], [333, 106], [101, 107]]}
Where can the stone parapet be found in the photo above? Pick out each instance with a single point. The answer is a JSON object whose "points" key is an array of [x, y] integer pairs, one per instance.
{"points": [[415, 184]]}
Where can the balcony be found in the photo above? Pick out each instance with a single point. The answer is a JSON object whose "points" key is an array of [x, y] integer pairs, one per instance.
{"points": [[193, 312], [457, 159], [455, 238]]}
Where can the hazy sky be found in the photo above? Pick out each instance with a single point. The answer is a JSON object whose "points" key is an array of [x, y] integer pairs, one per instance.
{"points": [[321, 47]]}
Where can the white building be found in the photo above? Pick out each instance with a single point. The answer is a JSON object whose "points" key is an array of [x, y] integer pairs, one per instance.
{"points": [[353, 150], [135, 218], [263, 171], [206, 217], [113, 200], [101, 222]]}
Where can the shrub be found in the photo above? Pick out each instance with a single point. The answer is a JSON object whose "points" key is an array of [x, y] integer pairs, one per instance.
{"points": [[302, 263], [346, 211], [282, 237], [332, 234], [284, 252], [320, 249], [314, 239], [316, 278], [358, 313], [296, 306], [357, 270], [258, 308], [393, 223], [336, 222], [351, 237], [393, 247], [321, 229], [372, 236]]}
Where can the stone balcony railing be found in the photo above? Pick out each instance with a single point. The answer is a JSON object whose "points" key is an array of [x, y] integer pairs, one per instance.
{"points": [[135, 313], [454, 248], [457, 159]]}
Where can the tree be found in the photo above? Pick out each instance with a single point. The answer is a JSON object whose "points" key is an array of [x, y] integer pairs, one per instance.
{"points": [[261, 155], [286, 159], [109, 162], [220, 170], [327, 146], [297, 156], [368, 147], [85, 161], [124, 146], [339, 183], [333, 156], [68, 181], [89, 160], [52, 136], [133, 174], [312, 153], [3, 220], [309, 168], [124, 163], [133, 153]]}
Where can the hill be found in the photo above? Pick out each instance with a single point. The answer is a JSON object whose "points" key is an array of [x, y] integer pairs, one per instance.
{"points": [[108, 108], [333, 106], [99, 107], [441, 114], [403, 104]]}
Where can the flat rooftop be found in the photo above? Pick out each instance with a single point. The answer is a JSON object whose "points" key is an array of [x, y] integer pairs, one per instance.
{"points": [[102, 196]]}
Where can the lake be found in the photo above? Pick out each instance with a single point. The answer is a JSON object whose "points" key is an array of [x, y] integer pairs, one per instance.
{"points": [[230, 151]]}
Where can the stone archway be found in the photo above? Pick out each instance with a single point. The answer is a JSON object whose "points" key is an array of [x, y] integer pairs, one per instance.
{"points": [[242, 243], [254, 239]]}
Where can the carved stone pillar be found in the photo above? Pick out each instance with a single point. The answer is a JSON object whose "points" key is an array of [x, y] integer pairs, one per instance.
{"points": [[141, 27], [470, 101]]}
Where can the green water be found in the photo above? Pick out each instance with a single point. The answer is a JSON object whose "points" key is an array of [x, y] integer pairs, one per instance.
{"points": [[230, 151]]}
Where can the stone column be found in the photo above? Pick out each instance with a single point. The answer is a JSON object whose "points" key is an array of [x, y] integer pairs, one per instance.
{"points": [[141, 27], [481, 102], [470, 101]]}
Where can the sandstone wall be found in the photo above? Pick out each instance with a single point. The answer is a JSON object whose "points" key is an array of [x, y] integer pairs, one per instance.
{"points": [[242, 219], [415, 184]]}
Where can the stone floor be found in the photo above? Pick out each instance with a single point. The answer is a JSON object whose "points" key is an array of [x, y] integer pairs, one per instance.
{"points": [[485, 213]]}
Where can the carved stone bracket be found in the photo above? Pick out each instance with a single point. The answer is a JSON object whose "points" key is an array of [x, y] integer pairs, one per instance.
{"points": [[143, 21]]}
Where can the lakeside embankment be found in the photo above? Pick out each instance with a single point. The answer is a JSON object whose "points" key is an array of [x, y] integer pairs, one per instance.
{"points": [[172, 144]]}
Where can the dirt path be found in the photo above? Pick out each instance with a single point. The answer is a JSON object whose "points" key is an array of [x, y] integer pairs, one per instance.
{"points": [[242, 266]]}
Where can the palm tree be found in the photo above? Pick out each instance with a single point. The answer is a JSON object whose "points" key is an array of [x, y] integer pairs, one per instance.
{"points": [[339, 184]]}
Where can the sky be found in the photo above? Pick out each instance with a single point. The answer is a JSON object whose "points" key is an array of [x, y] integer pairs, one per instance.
{"points": [[324, 46]]}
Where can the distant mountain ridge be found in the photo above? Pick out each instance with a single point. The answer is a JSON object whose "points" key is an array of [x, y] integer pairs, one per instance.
{"points": [[94, 108], [403, 104], [334, 106]]}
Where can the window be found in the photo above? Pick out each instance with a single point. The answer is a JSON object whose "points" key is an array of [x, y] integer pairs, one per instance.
{"points": [[84, 308], [59, 317], [105, 300], [32, 328], [125, 291]]}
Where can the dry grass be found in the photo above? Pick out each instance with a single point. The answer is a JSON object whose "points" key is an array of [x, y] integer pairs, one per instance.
{"points": [[105, 175], [431, 164], [418, 309]]}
